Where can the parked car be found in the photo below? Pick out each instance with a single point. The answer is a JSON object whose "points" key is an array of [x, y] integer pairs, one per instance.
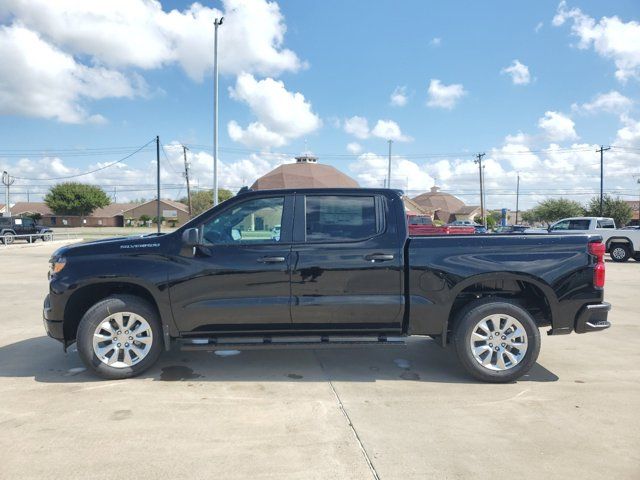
{"points": [[23, 228], [420, 225], [620, 244], [519, 229], [468, 223], [344, 271]]}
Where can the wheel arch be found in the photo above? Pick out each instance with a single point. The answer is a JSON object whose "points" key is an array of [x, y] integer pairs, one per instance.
{"points": [[622, 239], [531, 293], [88, 295]]}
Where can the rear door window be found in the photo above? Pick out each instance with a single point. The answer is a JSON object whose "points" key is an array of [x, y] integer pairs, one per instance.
{"points": [[579, 224], [341, 218], [606, 224]]}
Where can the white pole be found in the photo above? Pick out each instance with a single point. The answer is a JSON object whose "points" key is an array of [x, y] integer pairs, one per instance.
{"points": [[217, 22]]}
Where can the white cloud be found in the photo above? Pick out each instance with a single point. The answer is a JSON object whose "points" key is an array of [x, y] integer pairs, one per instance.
{"points": [[39, 80], [357, 126], [65, 53], [539, 25], [354, 147], [435, 42], [135, 178], [519, 73], [610, 37], [282, 115], [557, 126], [399, 97], [370, 170], [256, 135], [140, 34], [611, 102], [389, 130], [444, 96]]}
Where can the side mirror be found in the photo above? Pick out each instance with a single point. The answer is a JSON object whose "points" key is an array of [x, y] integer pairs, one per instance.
{"points": [[191, 237]]}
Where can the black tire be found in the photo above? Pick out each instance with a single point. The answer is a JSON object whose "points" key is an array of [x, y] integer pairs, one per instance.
{"points": [[8, 238], [46, 237], [102, 311], [467, 321], [619, 252]]}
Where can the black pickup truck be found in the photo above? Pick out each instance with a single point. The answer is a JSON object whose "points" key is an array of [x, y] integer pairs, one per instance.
{"points": [[320, 268]]}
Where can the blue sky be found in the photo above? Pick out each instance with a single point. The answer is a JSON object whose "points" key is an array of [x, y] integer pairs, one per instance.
{"points": [[96, 82]]}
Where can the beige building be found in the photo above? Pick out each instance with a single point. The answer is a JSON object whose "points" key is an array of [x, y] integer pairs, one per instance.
{"points": [[305, 173], [446, 207]]}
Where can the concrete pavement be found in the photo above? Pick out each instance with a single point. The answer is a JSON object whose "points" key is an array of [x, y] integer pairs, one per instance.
{"points": [[286, 414]]}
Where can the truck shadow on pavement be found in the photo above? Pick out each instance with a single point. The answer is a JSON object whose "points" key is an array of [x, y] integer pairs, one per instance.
{"points": [[419, 360]]}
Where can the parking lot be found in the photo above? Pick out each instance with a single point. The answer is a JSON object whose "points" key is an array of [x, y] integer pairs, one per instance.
{"points": [[391, 412]]}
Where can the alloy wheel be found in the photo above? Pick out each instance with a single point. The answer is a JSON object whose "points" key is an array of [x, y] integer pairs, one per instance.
{"points": [[122, 339], [498, 342]]}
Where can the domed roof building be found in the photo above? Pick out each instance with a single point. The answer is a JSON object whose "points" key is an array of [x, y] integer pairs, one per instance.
{"points": [[447, 208], [305, 173]]}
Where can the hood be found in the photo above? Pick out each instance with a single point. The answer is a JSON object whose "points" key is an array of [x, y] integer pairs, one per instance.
{"points": [[131, 244]]}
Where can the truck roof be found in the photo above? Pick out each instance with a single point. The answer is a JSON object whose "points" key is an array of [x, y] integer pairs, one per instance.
{"points": [[247, 191]]}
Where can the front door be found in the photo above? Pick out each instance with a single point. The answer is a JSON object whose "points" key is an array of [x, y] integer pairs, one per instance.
{"points": [[348, 264], [240, 279]]}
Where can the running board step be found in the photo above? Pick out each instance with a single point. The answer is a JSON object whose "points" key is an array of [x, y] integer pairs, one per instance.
{"points": [[260, 343]]}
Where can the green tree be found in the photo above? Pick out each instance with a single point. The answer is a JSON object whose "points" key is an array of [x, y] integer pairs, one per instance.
{"points": [[552, 210], [202, 200], [35, 216], [73, 198], [144, 219], [615, 208]]}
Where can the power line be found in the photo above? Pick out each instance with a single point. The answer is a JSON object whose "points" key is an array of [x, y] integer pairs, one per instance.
{"points": [[91, 171]]}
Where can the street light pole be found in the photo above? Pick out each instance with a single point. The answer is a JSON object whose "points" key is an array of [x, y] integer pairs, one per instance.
{"points": [[217, 22], [602, 150], [479, 162], [389, 166], [517, 197]]}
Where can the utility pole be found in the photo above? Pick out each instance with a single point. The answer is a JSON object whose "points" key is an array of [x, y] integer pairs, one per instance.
{"points": [[158, 180], [517, 197], [186, 176], [389, 166], [479, 162], [602, 150], [115, 194], [7, 180], [217, 22]]}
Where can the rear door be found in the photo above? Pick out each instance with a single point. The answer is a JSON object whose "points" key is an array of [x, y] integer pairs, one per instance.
{"points": [[347, 257]]}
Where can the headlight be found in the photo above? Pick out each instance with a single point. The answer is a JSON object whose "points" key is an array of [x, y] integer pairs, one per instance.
{"points": [[56, 265]]}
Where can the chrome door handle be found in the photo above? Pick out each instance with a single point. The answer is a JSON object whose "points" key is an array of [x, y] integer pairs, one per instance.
{"points": [[379, 257], [271, 259]]}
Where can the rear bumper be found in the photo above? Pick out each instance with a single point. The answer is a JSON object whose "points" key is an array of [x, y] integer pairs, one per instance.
{"points": [[52, 326], [593, 318]]}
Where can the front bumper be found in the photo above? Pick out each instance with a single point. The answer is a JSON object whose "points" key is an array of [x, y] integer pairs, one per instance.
{"points": [[52, 326], [593, 318]]}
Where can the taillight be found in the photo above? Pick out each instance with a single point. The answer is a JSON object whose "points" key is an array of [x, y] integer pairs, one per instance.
{"points": [[598, 250]]}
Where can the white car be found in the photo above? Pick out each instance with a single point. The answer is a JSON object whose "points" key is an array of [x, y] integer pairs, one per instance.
{"points": [[621, 244]]}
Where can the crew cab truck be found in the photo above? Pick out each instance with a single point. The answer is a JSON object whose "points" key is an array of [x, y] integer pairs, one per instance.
{"points": [[620, 244], [341, 271]]}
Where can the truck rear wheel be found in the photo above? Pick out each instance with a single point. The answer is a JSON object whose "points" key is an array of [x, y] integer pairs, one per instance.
{"points": [[619, 252], [120, 337], [8, 238], [496, 340]]}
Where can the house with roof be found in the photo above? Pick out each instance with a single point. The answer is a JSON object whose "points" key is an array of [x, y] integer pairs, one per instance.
{"points": [[446, 207], [113, 215]]}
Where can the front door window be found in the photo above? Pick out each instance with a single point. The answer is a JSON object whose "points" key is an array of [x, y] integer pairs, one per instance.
{"points": [[252, 222]]}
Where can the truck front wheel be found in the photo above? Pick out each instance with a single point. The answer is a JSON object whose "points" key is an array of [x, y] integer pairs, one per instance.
{"points": [[496, 340], [120, 337]]}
